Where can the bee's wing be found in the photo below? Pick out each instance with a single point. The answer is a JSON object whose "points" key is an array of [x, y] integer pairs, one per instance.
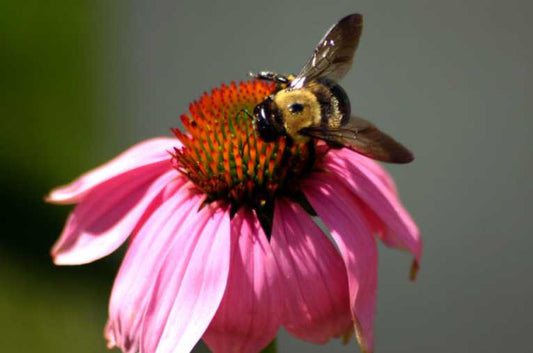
{"points": [[363, 137], [333, 56]]}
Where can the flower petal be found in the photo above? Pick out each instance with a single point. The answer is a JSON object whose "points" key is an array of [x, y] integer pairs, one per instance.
{"points": [[370, 183], [108, 215], [374, 167], [249, 315], [148, 152], [134, 282], [313, 276], [344, 217], [190, 284]]}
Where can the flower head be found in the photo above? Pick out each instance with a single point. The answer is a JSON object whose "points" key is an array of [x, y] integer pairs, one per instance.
{"points": [[227, 162], [224, 245]]}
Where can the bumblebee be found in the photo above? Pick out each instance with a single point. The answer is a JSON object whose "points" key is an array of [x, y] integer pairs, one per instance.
{"points": [[312, 105]]}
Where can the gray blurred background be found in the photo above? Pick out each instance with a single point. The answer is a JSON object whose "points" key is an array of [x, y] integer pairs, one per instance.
{"points": [[81, 81]]}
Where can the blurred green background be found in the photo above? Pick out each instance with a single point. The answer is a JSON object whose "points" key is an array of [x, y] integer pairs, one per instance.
{"points": [[82, 80], [50, 91]]}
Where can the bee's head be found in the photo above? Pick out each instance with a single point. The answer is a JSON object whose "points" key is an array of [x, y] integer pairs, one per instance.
{"points": [[268, 122]]}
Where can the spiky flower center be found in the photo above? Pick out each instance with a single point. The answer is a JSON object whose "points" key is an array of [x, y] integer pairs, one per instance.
{"points": [[224, 158]]}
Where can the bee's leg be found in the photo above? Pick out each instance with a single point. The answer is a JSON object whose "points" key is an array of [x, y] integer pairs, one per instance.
{"points": [[312, 155], [286, 156], [297, 195], [271, 76], [334, 145]]}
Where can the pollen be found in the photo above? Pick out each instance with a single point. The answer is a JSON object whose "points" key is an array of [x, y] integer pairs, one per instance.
{"points": [[224, 158]]}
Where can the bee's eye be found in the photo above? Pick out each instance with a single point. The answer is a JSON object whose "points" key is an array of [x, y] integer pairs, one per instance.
{"points": [[296, 108]]}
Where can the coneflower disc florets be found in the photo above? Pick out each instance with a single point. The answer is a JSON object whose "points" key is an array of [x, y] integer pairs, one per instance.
{"points": [[224, 158]]}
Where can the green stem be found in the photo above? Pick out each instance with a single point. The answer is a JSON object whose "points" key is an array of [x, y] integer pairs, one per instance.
{"points": [[272, 347]]}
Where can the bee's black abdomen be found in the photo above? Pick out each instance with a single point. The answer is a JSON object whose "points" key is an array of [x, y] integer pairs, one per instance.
{"points": [[343, 106], [344, 102]]}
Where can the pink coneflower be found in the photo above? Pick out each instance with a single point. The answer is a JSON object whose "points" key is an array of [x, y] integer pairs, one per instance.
{"points": [[224, 245]]}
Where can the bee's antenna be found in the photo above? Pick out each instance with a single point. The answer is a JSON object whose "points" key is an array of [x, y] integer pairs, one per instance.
{"points": [[243, 110]]}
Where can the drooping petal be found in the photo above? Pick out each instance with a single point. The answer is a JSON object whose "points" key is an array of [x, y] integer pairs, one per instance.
{"points": [[108, 215], [149, 152], [366, 179], [313, 276], [249, 315], [374, 167], [134, 282], [190, 284], [341, 213]]}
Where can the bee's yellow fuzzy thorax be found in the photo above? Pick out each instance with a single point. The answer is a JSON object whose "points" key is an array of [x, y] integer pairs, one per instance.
{"points": [[294, 122]]}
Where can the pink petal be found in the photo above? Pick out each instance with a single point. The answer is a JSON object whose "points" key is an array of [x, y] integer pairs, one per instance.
{"points": [[313, 276], [342, 214], [248, 317], [145, 153], [143, 260], [108, 215], [371, 183], [190, 285], [358, 159]]}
